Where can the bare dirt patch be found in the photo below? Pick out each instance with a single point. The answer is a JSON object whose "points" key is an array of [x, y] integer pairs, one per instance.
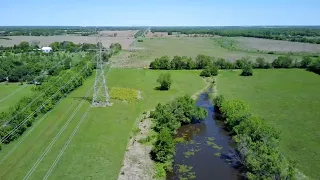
{"points": [[137, 164], [275, 45]]}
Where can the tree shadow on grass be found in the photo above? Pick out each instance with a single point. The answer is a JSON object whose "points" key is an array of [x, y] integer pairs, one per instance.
{"points": [[159, 88], [88, 99]]}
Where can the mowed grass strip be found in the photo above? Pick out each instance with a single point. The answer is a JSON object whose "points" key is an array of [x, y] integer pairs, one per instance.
{"points": [[290, 100], [10, 94], [97, 149]]}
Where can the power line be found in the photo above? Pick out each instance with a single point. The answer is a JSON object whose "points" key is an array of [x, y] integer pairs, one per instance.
{"points": [[34, 100], [101, 97], [38, 109], [55, 138], [67, 144]]}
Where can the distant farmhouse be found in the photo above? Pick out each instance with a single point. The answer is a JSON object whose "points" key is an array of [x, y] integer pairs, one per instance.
{"points": [[46, 49]]}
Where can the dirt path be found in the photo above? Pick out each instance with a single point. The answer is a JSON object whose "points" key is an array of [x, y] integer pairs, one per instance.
{"points": [[137, 164]]}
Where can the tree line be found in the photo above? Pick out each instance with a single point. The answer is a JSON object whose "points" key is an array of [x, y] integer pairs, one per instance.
{"points": [[26, 66], [66, 46], [211, 63], [56, 30], [257, 143], [21, 111], [294, 34], [167, 118]]}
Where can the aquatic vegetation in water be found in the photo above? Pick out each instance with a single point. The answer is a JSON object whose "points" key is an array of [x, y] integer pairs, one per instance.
{"points": [[214, 145], [185, 172], [211, 138], [217, 154], [179, 140]]}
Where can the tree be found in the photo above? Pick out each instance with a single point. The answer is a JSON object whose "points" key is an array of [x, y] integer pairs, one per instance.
{"points": [[306, 60], [247, 71], [214, 70], [164, 148], [260, 63], [165, 81], [206, 72]]}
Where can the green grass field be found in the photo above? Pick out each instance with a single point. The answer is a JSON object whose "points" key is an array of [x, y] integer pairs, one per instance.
{"points": [[96, 151], [290, 100], [10, 94], [152, 48]]}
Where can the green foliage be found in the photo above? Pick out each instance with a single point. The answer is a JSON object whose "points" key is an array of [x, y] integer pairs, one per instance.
{"points": [[165, 81], [218, 100], [167, 119], [206, 72], [247, 71], [314, 66], [164, 147], [160, 171], [283, 62], [160, 63], [45, 94], [257, 142]]}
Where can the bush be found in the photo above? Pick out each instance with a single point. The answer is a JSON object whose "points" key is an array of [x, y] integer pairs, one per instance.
{"points": [[214, 71], [206, 72], [164, 147], [247, 71], [140, 40], [165, 81]]}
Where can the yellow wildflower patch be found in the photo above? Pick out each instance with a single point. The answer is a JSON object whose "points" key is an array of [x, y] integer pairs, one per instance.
{"points": [[124, 94]]}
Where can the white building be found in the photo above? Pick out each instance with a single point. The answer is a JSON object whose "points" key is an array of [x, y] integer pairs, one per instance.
{"points": [[46, 49]]}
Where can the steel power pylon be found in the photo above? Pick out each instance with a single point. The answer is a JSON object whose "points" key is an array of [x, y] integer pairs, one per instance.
{"points": [[101, 96]]}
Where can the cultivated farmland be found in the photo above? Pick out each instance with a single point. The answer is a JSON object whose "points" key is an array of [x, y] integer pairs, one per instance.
{"points": [[274, 45], [125, 38], [152, 48], [96, 150], [289, 99]]}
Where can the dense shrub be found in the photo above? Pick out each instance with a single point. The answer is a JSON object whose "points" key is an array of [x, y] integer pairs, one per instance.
{"points": [[165, 81], [314, 66], [257, 143], [283, 62], [247, 71], [206, 72], [161, 63]]}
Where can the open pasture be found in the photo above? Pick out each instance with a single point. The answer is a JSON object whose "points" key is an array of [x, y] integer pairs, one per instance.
{"points": [[97, 148], [124, 39], [289, 99], [269, 45], [152, 48], [10, 94]]}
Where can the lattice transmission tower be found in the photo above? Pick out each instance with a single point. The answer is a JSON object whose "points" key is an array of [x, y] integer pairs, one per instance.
{"points": [[101, 97]]}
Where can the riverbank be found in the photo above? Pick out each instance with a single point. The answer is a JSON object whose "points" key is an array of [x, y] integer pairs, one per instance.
{"points": [[137, 163]]}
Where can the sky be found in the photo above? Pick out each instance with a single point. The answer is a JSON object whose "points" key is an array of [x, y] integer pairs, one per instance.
{"points": [[159, 12]]}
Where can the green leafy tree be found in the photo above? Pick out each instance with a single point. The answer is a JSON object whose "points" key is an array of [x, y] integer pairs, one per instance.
{"points": [[165, 81], [206, 72], [247, 71], [164, 147]]}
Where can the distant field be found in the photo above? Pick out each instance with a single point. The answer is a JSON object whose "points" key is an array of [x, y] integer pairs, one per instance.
{"points": [[123, 37], [10, 94], [274, 45], [97, 149], [152, 48], [290, 100]]}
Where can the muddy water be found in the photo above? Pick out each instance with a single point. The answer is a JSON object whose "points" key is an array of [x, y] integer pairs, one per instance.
{"points": [[207, 152]]}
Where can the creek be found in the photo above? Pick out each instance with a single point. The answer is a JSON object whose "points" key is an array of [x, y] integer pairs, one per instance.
{"points": [[207, 151]]}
